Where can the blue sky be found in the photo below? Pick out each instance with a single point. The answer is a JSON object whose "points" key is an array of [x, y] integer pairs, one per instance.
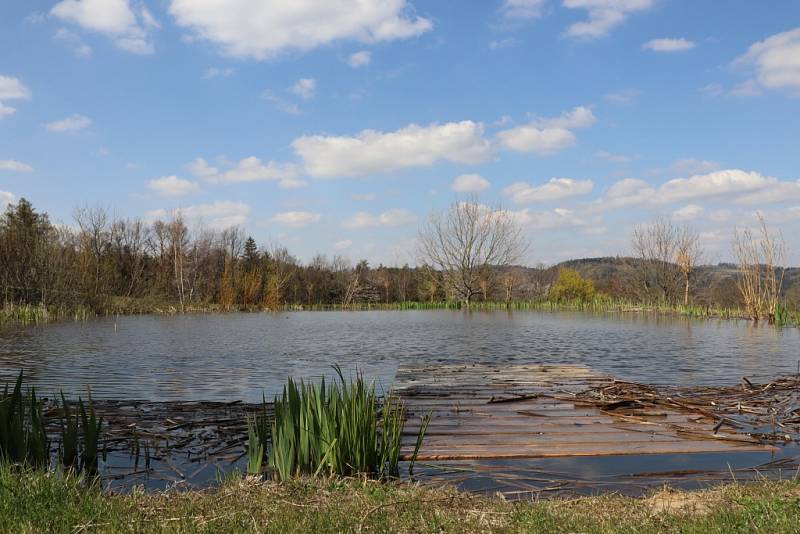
{"points": [[337, 127]]}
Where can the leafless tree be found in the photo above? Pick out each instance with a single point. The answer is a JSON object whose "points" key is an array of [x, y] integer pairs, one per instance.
{"points": [[688, 255], [655, 249], [466, 240], [760, 259]]}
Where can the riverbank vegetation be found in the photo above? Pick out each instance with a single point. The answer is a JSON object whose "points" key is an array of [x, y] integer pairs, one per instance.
{"points": [[32, 501], [102, 265]]}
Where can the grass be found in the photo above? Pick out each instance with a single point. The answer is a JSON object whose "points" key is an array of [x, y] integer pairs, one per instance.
{"points": [[38, 502], [335, 428]]}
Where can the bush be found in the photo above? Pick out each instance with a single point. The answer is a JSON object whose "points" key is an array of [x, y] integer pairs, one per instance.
{"points": [[572, 286]]}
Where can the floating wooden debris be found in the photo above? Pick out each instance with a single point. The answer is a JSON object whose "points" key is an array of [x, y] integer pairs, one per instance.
{"points": [[540, 411]]}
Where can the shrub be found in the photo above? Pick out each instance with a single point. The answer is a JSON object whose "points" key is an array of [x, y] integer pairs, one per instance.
{"points": [[570, 285]]}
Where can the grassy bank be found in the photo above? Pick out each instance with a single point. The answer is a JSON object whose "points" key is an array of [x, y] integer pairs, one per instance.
{"points": [[38, 314], [36, 502]]}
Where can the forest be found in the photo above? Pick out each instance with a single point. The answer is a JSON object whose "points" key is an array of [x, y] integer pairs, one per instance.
{"points": [[104, 264]]}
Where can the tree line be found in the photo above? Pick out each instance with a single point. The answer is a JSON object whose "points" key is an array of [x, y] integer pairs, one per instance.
{"points": [[466, 253]]}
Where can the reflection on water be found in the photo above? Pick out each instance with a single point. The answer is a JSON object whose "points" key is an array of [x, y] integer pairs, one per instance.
{"points": [[239, 356]]}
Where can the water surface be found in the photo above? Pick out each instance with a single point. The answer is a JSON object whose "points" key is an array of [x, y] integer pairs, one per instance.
{"points": [[240, 356]]}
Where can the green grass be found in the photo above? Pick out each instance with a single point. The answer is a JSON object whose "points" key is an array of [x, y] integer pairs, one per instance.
{"points": [[39, 502], [331, 428]]}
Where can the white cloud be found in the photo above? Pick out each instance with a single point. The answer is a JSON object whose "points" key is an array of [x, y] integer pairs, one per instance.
{"points": [[546, 136], [549, 220], [553, 189], [14, 166], [263, 29], [693, 166], [292, 183], [73, 123], [172, 186], [6, 198], [578, 117], [393, 217], [11, 89], [373, 151], [773, 193], [215, 72], [364, 197], [219, 215], [72, 40], [538, 141], [775, 61], [296, 219], [344, 244], [496, 44], [712, 89], [467, 183], [627, 192], [687, 213], [250, 169], [713, 184], [305, 88], [604, 15], [127, 27], [522, 9], [669, 45], [359, 59]]}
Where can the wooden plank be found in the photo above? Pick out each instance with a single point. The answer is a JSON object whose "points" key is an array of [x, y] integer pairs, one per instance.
{"points": [[466, 425]]}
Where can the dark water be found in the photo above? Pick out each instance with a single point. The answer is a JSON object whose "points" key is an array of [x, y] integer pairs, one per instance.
{"points": [[239, 356]]}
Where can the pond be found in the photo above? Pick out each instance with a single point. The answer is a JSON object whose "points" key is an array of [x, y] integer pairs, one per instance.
{"points": [[226, 357]]}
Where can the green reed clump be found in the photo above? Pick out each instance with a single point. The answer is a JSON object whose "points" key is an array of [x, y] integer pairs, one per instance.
{"points": [[91, 428], [23, 438], [335, 428]]}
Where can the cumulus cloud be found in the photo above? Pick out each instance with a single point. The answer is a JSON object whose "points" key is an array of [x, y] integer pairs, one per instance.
{"points": [[219, 215], [553, 189], [687, 213], [305, 88], [128, 27], [172, 186], [522, 9], [14, 166], [627, 192], [775, 62], [296, 219], [603, 15], [73, 123], [709, 185], [557, 218], [373, 151], [393, 217], [11, 88], [263, 29], [669, 45], [344, 244], [6, 198], [250, 169], [532, 139], [692, 166], [356, 60], [470, 183], [545, 136], [745, 187]]}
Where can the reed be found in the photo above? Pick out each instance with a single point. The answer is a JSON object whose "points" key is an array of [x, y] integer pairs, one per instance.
{"points": [[91, 428], [336, 428], [23, 437], [69, 449]]}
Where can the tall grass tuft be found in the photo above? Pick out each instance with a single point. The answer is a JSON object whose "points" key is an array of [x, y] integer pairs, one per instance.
{"points": [[69, 452], [23, 437], [336, 429], [91, 429]]}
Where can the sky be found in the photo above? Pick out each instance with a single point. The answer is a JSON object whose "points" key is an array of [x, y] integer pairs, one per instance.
{"points": [[337, 127]]}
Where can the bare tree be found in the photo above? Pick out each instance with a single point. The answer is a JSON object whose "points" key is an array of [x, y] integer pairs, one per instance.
{"points": [[466, 240], [655, 248], [760, 259], [688, 255]]}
